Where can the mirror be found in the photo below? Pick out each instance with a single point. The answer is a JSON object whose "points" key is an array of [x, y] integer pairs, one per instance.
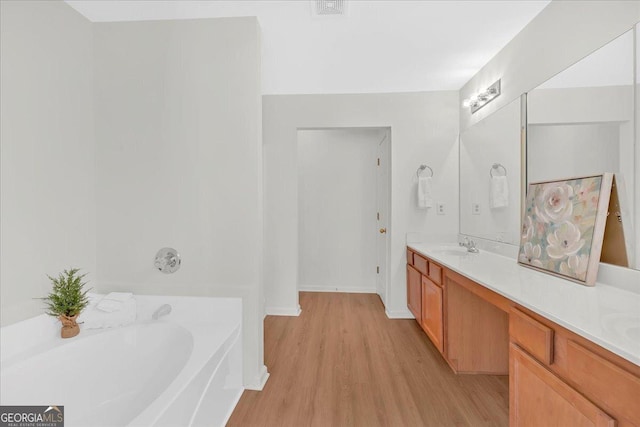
{"points": [[581, 122], [494, 141]]}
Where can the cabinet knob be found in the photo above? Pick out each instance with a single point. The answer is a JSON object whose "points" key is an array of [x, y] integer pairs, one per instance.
{"points": [[383, 230]]}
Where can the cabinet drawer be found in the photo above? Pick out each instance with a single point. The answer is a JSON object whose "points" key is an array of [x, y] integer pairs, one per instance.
{"points": [[420, 264], [435, 273], [606, 382], [409, 257], [531, 335]]}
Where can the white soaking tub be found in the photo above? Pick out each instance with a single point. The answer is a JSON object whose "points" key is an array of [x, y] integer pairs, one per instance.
{"points": [[184, 369]]}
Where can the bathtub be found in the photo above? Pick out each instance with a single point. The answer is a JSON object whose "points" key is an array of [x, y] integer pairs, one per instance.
{"points": [[184, 369]]}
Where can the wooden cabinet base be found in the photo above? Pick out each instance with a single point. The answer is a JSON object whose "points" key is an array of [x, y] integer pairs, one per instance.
{"points": [[557, 378], [476, 331], [432, 313], [414, 293], [543, 399]]}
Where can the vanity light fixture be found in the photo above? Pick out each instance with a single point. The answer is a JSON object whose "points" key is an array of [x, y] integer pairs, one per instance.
{"points": [[481, 99]]}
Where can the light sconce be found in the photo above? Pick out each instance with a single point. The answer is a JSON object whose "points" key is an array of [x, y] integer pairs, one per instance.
{"points": [[478, 101]]}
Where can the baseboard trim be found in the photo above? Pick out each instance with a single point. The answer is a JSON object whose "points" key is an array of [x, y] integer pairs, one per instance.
{"points": [[282, 311], [399, 314], [260, 380], [360, 290]]}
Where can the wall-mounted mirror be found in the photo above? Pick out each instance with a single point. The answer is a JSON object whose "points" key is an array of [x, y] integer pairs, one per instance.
{"points": [[581, 122], [490, 159]]}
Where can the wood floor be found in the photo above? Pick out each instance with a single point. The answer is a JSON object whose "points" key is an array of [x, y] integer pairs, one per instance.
{"points": [[344, 363]]}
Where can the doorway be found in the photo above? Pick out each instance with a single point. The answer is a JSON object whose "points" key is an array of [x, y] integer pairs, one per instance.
{"points": [[343, 210]]}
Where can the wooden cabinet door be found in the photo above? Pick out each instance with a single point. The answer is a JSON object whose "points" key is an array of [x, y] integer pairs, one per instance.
{"points": [[539, 398], [432, 312], [414, 293]]}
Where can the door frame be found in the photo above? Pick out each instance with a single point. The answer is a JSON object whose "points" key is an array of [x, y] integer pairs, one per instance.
{"points": [[386, 157], [388, 130]]}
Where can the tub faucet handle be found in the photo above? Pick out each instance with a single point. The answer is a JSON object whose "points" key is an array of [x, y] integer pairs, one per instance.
{"points": [[167, 260]]}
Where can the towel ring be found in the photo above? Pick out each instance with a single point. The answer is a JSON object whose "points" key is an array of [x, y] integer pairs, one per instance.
{"points": [[423, 167], [496, 167]]}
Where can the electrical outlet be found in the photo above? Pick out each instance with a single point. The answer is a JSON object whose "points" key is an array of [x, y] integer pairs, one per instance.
{"points": [[475, 208], [440, 208]]}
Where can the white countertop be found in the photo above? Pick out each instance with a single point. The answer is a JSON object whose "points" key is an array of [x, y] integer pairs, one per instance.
{"points": [[607, 315]]}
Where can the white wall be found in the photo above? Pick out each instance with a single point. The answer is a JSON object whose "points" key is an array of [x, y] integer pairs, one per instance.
{"points": [[636, 204], [179, 162], [47, 196], [424, 129], [563, 33], [336, 209], [496, 139], [568, 120], [579, 105], [564, 151]]}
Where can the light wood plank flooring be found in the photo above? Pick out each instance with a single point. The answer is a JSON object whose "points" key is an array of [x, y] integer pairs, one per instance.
{"points": [[344, 363]]}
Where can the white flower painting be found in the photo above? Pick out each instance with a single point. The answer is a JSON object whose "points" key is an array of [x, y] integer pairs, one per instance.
{"points": [[554, 203], [564, 241], [558, 226]]}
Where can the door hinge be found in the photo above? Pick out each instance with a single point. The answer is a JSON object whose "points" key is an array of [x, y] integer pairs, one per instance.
{"points": [[378, 216], [378, 161], [377, 269]]}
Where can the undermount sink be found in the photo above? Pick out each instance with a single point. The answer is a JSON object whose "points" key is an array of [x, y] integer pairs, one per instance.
{"points": [[454, 251]]}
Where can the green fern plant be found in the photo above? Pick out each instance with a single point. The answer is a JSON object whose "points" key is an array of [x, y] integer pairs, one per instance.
{"points": [[68, 296]]}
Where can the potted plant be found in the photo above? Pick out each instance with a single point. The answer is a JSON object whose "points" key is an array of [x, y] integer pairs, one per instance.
{"points": [[67, 300]]}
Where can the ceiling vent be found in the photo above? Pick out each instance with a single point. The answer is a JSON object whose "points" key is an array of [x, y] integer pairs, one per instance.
{"points": [[330, 7]]}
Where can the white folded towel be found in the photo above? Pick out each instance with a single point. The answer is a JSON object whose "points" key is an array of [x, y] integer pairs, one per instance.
{"points": [[499, 193], [94, 317], [114, 301], [425, 192]]}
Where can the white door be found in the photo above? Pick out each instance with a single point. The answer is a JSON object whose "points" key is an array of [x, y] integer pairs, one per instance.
{"points": [[382, 201]]}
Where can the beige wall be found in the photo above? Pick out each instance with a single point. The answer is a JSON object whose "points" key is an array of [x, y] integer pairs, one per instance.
{"points": [[47, 195]]}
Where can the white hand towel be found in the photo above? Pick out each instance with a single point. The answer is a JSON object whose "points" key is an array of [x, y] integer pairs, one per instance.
{"points": [[499, 194], [425, 192]]}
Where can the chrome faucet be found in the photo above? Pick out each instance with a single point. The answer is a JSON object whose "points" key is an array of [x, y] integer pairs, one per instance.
{"points": [[470, 245], [163, 310]]}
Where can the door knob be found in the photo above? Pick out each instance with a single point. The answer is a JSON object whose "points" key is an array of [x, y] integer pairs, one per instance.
{"points": [[383, 230]]}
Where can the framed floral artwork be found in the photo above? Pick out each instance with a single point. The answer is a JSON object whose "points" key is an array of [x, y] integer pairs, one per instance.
{"points": [[563, 226]]}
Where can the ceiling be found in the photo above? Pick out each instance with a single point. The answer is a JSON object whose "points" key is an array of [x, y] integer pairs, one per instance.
{"points": [[378, 46]]}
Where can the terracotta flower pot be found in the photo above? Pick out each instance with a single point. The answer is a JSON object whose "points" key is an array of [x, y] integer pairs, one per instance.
{"points": [[69, 326]]}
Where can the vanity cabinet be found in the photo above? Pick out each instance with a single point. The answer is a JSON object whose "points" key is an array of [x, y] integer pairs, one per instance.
{"points": [[425, 296], [556, 377], [432, 312], [575, 381], [539, 398], [477, 340], [414, 292]]}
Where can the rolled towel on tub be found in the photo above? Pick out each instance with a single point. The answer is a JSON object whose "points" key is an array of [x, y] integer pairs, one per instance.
{"points": [[114, 301], [123, 312]]}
